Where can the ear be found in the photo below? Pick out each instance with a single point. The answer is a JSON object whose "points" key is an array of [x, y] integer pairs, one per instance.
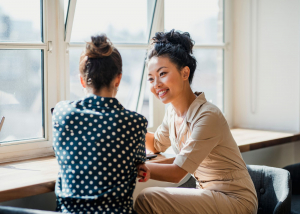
{"points": [[118, 80], [185, 73], [82, 81]]}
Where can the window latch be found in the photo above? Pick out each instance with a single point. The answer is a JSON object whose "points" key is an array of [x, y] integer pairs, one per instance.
{"points": [[50, 46], [2, 122]]}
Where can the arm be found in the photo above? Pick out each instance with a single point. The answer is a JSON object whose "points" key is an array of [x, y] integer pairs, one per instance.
{"points": [[204, 137], [150, 142], [140, 154], [159, 141], [166, 172]]}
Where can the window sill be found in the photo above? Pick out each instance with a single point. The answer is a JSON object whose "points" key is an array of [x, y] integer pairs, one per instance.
{"points": [[36, 176]]}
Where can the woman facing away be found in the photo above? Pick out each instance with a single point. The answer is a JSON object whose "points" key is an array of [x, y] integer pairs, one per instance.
{"points": [[98, 143], [199, 134]]}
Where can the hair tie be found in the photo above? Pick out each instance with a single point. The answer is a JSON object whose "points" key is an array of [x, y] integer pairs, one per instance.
{"points": [[172, 33]]}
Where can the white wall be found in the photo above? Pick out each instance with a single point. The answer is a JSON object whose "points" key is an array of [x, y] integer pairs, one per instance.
{"points": [[270, 29], [277, 64]]}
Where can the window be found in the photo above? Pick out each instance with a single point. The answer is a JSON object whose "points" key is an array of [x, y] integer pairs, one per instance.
{"points": [[25, 84], [41, 42], [204, 20], [127, 24], [22, 70]]}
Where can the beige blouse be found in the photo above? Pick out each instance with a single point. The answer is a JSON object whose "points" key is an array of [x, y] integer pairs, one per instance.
{"points": [[204, 144]]}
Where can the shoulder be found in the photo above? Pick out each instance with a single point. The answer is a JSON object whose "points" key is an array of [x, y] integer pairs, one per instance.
{"points": [[134, 118], [209, 113], [210, 108], [67, 109], [67, 105]]}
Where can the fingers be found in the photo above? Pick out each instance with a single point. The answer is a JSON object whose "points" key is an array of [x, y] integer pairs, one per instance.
{"points": [[141, 173], [145, 178]]}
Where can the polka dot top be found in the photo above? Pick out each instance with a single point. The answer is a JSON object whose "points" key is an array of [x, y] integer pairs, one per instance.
{"points": [[97, 144]]}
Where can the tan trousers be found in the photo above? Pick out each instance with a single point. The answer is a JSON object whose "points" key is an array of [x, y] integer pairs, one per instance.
{"points": [[159, 200]]}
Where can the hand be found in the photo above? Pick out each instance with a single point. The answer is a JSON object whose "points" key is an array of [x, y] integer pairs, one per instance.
{"points": [[143, 172]]}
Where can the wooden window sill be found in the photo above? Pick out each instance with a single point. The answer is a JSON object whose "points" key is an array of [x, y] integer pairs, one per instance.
{"points": [[36, 176]]}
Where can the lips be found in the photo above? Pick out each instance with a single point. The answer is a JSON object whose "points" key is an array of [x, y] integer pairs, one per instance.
{"points": [[163, 92]]}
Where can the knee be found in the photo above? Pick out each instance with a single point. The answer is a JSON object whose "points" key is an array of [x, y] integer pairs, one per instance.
{"points": [[145, 201], [144, 196]]}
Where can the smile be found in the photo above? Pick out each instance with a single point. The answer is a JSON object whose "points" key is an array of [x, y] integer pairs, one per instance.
{"points": [[163, 93]]}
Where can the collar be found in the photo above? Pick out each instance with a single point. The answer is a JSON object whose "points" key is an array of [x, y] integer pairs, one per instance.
{"points": [[110, 102], [196, 104]]}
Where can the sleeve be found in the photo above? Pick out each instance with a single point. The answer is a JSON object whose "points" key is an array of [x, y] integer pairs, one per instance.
{"points": [[140, 154], [204, 137], [161, 136]]}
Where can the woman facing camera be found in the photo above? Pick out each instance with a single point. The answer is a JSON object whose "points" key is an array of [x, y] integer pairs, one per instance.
{"points": [[199, 134], [99, 145]]}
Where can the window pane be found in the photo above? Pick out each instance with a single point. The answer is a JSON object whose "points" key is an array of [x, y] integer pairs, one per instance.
{"points": [[20, 21], [21, 94], [203, 19], [208, 76], [146, 105], [122, 21], [133, 63]]}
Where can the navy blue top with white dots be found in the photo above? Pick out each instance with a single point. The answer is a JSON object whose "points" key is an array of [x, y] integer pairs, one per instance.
{"points": [[97, 144]]}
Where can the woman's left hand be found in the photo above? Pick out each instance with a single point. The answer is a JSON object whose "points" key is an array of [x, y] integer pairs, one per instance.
{"points": [[143, 172]]}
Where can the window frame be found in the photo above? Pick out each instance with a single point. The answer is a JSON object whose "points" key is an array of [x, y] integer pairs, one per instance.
{"points": [[32, 148], [56, 46], [157, 108]]}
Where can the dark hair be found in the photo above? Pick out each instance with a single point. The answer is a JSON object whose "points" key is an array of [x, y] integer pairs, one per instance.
{"points": [[177, 46], [104, 62]]}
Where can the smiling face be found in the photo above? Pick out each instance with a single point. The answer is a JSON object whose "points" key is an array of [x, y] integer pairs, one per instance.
{"points": [[166, 81]]}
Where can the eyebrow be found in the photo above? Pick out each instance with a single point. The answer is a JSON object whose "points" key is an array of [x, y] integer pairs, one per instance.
{"points": [[158, 70]]}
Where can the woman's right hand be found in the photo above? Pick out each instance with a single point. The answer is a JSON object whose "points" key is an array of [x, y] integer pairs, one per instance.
{"points": [[143, 172]]}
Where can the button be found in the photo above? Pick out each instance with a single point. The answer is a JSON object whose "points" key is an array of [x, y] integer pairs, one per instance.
{"points": [[262, 190]]}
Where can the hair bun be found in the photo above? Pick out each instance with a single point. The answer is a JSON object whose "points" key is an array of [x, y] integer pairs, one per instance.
{"points": [[99, 47], [175, 38]]}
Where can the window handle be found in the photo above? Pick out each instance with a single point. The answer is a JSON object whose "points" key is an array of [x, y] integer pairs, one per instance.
{"points": [[1, 123], [50, 46]]}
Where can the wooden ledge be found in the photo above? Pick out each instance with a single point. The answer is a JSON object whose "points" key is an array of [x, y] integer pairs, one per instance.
{"points": [[249, 139], [36, 176], [21, 179]]}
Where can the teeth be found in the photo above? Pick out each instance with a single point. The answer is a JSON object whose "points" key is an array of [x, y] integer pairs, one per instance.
{"points": [[161, 92]]}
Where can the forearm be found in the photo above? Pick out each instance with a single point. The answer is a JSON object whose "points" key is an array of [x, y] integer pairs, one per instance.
{"points": [[166, 172], [150, 142]]}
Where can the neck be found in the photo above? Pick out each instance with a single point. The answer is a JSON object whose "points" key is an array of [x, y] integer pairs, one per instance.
{"points": [[183, 101], [104, 92]]}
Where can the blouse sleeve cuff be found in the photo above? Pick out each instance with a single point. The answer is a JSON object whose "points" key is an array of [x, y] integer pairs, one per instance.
{"points": [[185, 163], [158, 146]]}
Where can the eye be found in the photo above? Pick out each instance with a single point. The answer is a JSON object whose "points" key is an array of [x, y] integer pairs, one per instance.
{"points": [[162, 74], [150, 79]]}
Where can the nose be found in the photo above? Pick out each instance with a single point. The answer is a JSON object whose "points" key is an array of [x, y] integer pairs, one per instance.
{"points": [[156, 83]]}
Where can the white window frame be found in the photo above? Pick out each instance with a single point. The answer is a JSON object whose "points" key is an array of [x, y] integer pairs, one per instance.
{"points": [[156, 26], [27, 149], [157, 108], [56, 47]]}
